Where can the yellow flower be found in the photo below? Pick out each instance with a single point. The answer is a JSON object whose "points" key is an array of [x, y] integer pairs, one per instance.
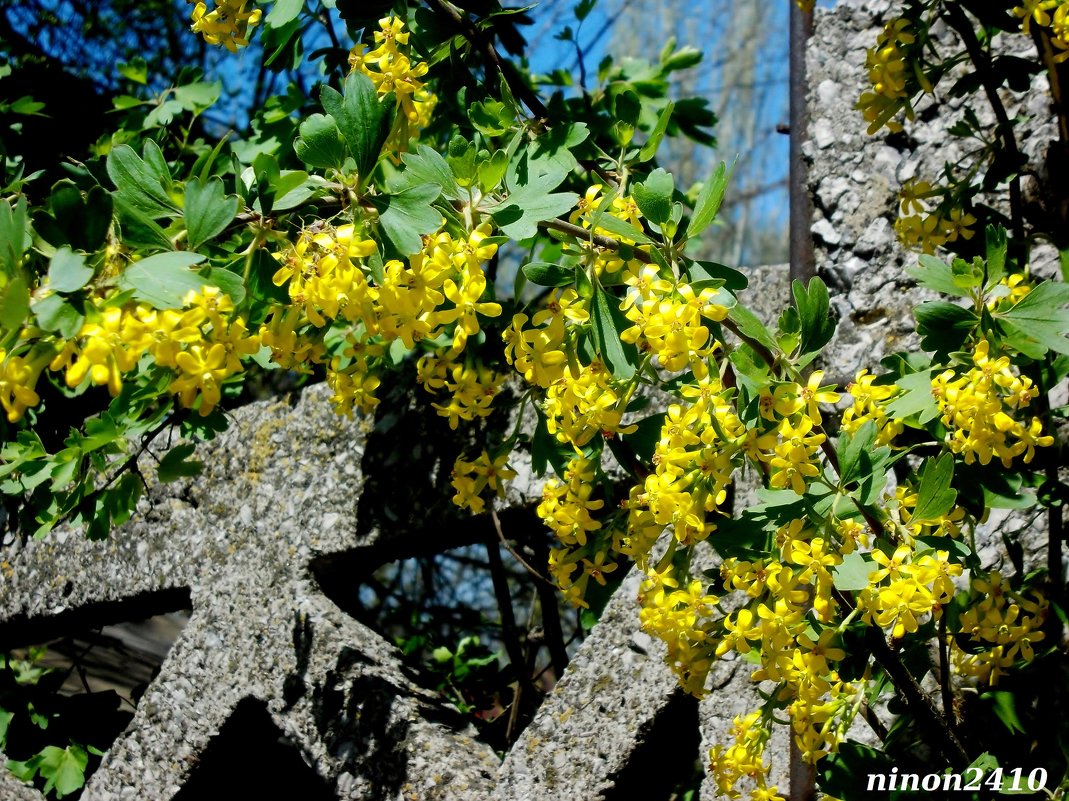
{"points": [[18, 381], [227, 24], [471, 479]]}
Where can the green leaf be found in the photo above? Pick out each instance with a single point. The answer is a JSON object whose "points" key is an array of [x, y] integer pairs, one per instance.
{"points": [[491, 117], [852, 573], [607, 336], [229, 282], [916, 398], [208, 210], [138, 185], [544, 274], [320, 143], [627, 107], [164, 280], [67, 271], [749, 324], [643, 440], [848, 773], [139, 229], [14, 234], [739, 538], [853, 450], [407, 215], [176, 463], [199, 95], [549, 155], [935, 496], [62, 768], [1004, 706], [283, 12], [944, 327], [937, 275], [492, 170], [364, 120], [428, 166], [461, 160], [968, 274], [5, 721], [705, 273], [709, 200], [136, 70], [996, 248], [649, 149], [814, 313], [85, 222], [519, 215], [1040, 317], [294, 187], [14, 303], [621, 228], [654, 196], [56, 313]]}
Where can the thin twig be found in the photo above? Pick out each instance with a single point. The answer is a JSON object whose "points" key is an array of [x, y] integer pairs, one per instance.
{"points": [[512, 551], [944, 674], [596, 239], [981, 60], [507, 71]]}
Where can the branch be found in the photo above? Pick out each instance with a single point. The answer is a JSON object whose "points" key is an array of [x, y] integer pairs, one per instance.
{"points": [[512, 552], [957, 20], [516, 84], [595, 239], [509, 633], [507, 71]]}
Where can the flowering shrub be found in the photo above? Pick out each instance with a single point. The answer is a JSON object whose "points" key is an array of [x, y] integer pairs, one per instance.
{"points": [[376, 243]]}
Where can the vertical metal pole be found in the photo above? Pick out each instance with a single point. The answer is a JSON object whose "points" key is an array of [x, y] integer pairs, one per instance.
{"points": [[803, 264], [803, 778]]}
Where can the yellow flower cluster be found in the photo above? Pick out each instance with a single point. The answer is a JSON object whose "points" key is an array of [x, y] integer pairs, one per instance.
{"points": [[682, 617], [1058, 23], [471, 479], [926, 232], [18, 381], [440, 288], [203, 344], [774, 627], [886, 67], [471, 387], [977, 406], [1009, 291], [539, 353], [324, 283], [1000, 627], [921, 228], [578, 407], [205, 363], [227, 24], [869, 399], [693, 461], [566, 508], [906, 588], [667, 318], [351, 378], [390, 68], [790, 445], [744, 759]]}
